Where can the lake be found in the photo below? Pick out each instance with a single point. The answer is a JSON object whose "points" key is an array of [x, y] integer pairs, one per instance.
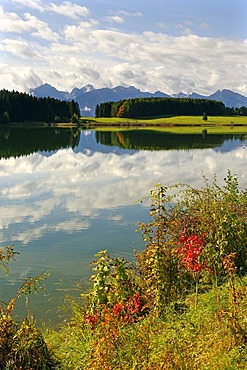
{"points": [[66, 194]]}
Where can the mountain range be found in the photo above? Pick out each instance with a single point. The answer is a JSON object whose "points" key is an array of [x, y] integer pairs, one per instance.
{"points": [[88, 97]]}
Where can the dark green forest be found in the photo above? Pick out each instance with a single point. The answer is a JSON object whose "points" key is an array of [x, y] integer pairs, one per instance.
{"points": [[149, 107], [20, 107]]}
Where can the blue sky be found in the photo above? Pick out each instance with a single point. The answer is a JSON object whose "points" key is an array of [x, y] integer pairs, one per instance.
{"points": [[171, 46]]}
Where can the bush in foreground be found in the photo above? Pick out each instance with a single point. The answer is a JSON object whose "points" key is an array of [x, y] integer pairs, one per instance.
{"points": [[22, 345], [183, 305]]}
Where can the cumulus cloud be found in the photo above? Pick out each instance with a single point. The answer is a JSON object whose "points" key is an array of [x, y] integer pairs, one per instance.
{"points": [[12, 78], [66, 8], [18, 48], [34, 4], [13, 23], [80, 34], [193, 61], [41, 29], [69, 9], [115, 19]]}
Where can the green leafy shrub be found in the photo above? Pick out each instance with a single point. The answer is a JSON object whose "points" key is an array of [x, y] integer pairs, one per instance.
{"points": [[218, 215], [114, 281]]}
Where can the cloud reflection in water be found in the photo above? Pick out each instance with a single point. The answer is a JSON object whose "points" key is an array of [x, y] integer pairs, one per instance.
{"points": [[35, 187], [61, 207]]}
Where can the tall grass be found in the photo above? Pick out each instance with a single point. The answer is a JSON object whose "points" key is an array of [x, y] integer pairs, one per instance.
{"points": [[187, 337]]}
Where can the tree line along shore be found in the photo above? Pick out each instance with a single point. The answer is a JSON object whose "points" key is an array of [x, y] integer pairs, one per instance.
{"points": [[16, 107], [145, 107]]}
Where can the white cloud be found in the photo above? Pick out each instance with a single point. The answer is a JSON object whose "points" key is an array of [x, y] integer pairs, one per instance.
{"points": [[41, 29], [21, 79], [66, 8], [34, 4], [115, 19], [13, 23], [81, 33], [18, 48], [69, 9], [130, 14]]}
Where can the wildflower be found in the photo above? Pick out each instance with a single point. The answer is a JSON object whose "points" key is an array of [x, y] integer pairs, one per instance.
{"points": [[190, 252], [117, 308], [92, 319], [134, 304]]}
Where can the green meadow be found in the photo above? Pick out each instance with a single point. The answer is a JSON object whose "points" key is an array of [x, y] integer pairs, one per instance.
{"points": [[181, 124]]}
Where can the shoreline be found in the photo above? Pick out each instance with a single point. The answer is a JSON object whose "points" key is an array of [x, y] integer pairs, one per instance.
{"points": [[166, 122]]}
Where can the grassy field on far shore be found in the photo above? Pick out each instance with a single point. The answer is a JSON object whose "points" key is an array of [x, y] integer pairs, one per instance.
{"points": [[178, 124], [172, 121]]}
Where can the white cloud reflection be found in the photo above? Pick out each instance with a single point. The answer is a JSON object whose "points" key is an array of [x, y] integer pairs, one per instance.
{"points": [[67, 190]]}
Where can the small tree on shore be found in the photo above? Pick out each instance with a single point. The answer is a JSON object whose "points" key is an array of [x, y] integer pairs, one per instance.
{"points": [[205, 117], [97, 111]]}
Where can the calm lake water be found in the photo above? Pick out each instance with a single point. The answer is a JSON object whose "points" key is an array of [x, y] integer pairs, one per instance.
{"points": [[66, 194]]}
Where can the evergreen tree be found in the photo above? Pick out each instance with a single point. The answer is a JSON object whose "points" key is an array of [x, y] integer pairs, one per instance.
{"points": [[97, 111]]}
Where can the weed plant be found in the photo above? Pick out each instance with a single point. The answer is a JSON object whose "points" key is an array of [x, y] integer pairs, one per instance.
{"points": [[22, 345]]}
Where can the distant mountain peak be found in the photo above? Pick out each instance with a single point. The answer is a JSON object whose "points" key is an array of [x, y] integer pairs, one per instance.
{"points": [[180, 95], [47, 90], [125, 88], [88, 97], [229, 98], [46, 85], [78, 91], [88, 88]]}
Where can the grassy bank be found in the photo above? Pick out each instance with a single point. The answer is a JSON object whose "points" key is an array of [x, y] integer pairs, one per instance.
{"points": [[231, 122], [187, 337], [170, 121]]}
